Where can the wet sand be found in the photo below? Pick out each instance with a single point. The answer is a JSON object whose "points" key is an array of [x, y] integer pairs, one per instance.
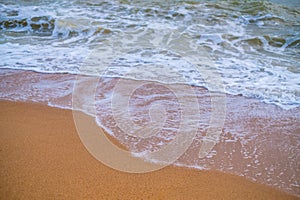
{"points": [[42, 157]]}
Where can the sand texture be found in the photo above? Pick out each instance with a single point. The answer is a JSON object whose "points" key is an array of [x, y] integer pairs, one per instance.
{"points": [[42, 157]]}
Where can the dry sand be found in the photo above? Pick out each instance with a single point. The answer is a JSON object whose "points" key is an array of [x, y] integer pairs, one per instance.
{"points": [[42, 157]]}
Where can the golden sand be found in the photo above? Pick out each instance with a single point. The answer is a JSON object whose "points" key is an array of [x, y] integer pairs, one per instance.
{"points": [[42, 157]]}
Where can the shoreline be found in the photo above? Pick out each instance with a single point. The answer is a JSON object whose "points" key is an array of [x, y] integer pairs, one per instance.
{"points": [[68, 79], [258, 140], [43, 157]]}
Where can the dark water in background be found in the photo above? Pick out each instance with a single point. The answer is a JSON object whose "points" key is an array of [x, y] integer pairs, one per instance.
{"points": [[251, 47]]}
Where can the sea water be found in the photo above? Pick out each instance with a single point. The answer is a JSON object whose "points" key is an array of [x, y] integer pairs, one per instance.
{"points": [[253, 44]]}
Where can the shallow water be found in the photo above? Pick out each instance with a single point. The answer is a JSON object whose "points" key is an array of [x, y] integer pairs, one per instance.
{"points": [[254, 45]]}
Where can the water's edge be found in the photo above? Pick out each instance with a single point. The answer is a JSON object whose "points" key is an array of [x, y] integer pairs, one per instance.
{"points": [[259, 141]]}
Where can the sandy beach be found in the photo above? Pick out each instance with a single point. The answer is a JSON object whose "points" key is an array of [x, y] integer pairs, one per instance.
{"points": [[200, 99], [42, 157]]}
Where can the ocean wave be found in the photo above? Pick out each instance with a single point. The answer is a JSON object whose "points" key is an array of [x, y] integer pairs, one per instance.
{"points": [[247, 41]]}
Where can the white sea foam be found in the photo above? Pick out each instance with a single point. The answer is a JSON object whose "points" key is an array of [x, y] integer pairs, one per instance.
{"points": [[253, 64]]}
